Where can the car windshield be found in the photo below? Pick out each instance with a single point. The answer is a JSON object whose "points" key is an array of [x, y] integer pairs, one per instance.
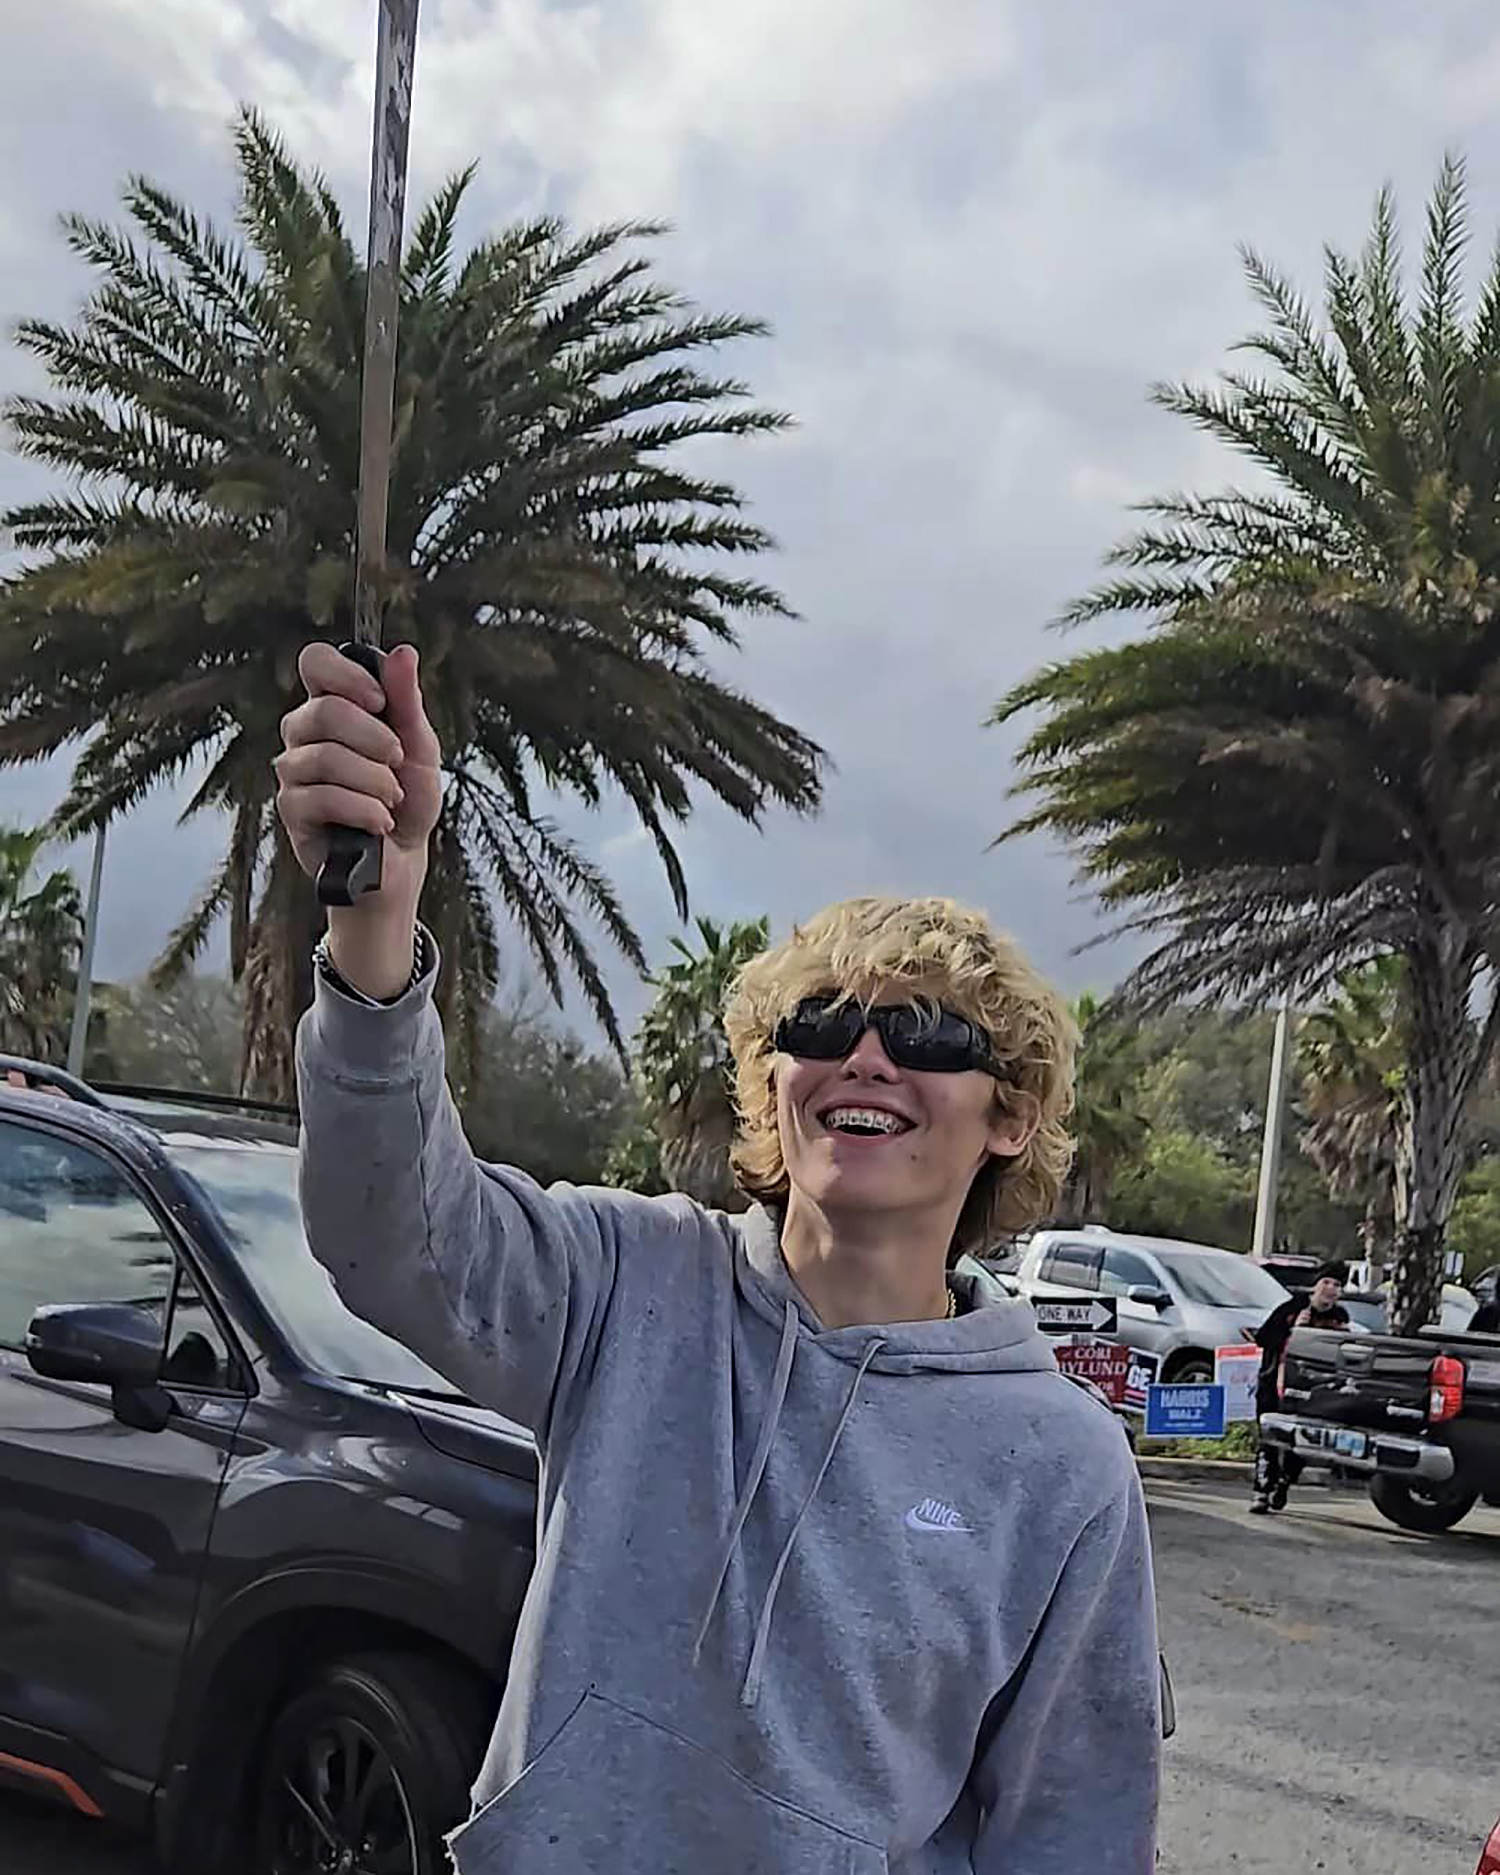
{"points": [[1367, 1312], [253, 1187], [1217, 1279]]}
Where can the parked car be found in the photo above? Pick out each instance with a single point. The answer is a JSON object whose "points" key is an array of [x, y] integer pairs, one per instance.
{"points": [[1418, 1417], [1179, 1301], [259, 1566], [1369, 1308], [1291, 1270], [1489, 1855]]}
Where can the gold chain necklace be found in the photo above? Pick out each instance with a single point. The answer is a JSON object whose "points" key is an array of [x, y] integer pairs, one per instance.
{"points": [[952, 1305]]}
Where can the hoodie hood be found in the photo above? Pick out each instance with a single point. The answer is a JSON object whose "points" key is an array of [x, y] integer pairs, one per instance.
{"points": [[993, 1333]]}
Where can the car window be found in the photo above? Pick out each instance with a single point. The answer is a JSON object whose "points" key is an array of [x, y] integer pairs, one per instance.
{"points": [[1367, 1311], [253, 1189], [198, 1355], [1218, 1279], [72, 1229], [1074, 1264], [1124, 1270]]}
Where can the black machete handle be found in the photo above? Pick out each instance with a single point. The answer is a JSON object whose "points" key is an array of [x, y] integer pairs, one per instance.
{"points": [[352, 867]]}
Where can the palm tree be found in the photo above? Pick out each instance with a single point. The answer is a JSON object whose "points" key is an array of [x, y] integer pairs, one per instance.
{"points": [[551, 552], [41, 933], [1350, 1054], [683, 1067], [1109, 1124], [1294, 771]]}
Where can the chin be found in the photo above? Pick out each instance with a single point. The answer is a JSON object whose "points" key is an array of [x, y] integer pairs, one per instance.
{"points": [[850, 1188]]}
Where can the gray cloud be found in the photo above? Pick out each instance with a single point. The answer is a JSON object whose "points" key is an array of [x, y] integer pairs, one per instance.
{"points": [[980, 233]]}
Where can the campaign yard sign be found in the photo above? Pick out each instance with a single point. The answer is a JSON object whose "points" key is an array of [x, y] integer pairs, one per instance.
{"points": [[1141, 1377], [1105, 1363], [1236, 1370], [1185, 1412]]}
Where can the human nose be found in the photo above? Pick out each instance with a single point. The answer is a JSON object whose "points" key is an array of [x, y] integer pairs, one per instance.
{"points": [[868, 1058]]}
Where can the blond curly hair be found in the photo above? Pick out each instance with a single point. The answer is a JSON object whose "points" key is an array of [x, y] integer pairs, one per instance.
{"points": [[935, 951]]}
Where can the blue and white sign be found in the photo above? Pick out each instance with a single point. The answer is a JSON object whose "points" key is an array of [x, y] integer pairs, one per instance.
{"points": [[1195, 1412]]}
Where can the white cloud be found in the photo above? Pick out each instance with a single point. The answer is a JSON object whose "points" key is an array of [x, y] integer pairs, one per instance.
{"points": [[980, 230]]}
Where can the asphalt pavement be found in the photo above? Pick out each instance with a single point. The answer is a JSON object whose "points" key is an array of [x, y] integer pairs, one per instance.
{"points": [[1337, 1688]]}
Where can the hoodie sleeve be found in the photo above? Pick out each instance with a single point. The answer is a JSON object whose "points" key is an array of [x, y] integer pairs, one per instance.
{"points": [[500, 1286], [1069, 1782]]}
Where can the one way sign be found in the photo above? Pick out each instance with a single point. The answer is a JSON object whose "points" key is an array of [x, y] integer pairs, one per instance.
{"points": [[1076, 1315]]}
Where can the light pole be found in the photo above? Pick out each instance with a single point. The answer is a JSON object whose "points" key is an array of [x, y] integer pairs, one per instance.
{"points": [[1270, 1144], [80, 1031]]}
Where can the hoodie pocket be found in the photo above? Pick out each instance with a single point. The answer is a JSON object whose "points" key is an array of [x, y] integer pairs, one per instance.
{"points": [[615, 1790]]}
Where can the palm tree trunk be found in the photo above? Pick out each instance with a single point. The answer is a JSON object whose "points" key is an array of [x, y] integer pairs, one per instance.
{"points": [[278, 977], [1440, 1074]]}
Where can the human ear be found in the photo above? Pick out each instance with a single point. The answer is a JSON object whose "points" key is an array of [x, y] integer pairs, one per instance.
{"points": [[1014, 1123]]}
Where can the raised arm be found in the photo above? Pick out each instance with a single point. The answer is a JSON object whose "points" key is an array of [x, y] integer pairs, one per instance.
{"points": [[501, 1287]]}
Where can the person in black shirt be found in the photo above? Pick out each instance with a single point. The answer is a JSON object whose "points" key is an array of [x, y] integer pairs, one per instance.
{"points": [[1277, 1470]]}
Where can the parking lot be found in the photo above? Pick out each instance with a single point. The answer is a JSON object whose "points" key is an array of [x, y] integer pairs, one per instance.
{"points": [[1337, 1684]]}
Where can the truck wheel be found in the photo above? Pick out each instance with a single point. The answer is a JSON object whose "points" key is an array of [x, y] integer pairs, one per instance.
{"points": [[1192, 1369], [368, 1766], [1429, 1509]]}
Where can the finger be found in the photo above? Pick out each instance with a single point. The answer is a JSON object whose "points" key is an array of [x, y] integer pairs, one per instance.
{"points": [[404, 708], [331, 762], [325, 671], [316, 809], [330, 718]]}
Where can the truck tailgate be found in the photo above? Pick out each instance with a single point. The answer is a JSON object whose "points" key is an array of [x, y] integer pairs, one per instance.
{"points": [[1358, 1380]]}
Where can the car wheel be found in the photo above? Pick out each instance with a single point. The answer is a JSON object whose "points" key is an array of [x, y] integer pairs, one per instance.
{"points": [[1191, 1370], [366, 1768], [1428, 1509]]}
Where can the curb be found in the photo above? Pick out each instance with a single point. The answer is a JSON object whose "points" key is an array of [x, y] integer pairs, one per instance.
{"points": [[1228, 1471], [1225, 1470]]}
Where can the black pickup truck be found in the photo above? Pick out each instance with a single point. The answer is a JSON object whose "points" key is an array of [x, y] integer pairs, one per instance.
{"points": [[1420, 1418]]}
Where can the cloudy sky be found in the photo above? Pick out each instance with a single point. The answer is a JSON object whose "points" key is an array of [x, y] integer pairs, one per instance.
{"points": [[980, 230]]}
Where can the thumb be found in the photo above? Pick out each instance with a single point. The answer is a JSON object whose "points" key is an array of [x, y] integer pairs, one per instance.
{"points": [[404, 710]]}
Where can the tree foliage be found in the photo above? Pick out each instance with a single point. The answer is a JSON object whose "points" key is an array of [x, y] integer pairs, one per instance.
{"points": [[560, 564], [1292, 771], [1109, 1123], [684, 1072], [41, 933], [1350, 1054]]}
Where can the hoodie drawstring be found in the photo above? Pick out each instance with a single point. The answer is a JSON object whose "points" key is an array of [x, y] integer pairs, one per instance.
{"points": [[750, 1691], [780, 1382]]}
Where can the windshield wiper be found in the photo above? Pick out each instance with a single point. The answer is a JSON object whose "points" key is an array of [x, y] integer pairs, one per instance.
{"points": [[449, 1394]]}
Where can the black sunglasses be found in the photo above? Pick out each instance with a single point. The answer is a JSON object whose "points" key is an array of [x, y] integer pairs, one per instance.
{"points": [[823, 1028]]}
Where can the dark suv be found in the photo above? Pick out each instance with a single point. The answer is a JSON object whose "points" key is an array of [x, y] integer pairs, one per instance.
{"points": [[259, 1566]]}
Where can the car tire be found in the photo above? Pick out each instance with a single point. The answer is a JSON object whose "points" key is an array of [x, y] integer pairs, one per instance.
{"points": [[1193, 1369], [375, 1754], [1428, 1510]]}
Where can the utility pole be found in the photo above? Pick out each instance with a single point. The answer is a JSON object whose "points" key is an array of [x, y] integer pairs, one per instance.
{"points": [[1270, 1145], [80, 1031]]}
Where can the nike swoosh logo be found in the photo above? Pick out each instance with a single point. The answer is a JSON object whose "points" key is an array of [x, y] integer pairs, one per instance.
{"points": [[920, 1518]]}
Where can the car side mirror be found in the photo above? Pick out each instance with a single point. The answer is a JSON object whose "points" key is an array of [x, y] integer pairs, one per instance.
{"points": [[1148, 1296], [115, 1343]]}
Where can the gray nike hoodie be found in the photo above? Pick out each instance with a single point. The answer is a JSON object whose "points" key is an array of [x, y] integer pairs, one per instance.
{"points": [[807, 1601]]}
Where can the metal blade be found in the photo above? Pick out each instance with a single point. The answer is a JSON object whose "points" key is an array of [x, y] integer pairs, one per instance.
{"points": [[395, 56]]}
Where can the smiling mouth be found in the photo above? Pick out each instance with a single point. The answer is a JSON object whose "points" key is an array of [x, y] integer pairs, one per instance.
{"points": [[864, 1123]]}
